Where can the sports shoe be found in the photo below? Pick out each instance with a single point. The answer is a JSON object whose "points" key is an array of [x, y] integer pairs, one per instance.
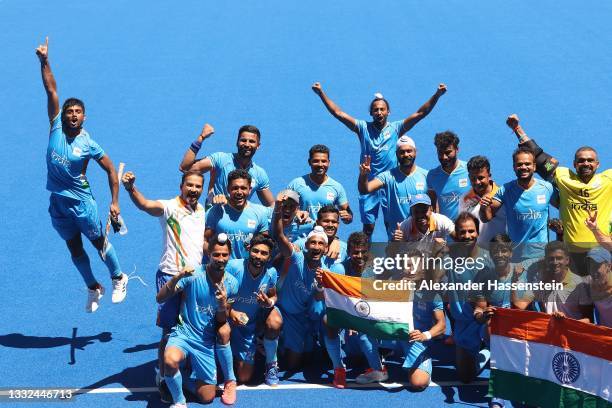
{"points": [[178, 405], [340, 377], [272, 374], [229, 393], [93, 299], [371, 376], [119, 289], [164, 393]]}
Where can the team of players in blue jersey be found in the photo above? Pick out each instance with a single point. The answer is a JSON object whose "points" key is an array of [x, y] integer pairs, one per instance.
{"points": [[238, 279]]}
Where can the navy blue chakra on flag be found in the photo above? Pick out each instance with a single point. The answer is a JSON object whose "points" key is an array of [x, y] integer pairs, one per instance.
{"points": [[566, 367]]}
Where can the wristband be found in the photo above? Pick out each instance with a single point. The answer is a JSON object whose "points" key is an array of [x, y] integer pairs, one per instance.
{"points": [[272, 304], [195, 146], [427, 335], [319, 289]]}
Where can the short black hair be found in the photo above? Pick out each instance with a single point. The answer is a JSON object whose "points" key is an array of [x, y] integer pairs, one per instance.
{"points": [[328, 208], [477, 163], [584, 149], [72, 102], [318, 148], [191, 173], [262, 239], [379, 99], [464, 216], [238, 174], [553, 246], [445, 139], [500, 241], [358, 238], [250, 129], [522, 150]]}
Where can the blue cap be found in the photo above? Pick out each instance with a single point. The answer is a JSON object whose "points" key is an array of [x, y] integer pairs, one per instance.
{"points": [[599, 255], [420, 199]]}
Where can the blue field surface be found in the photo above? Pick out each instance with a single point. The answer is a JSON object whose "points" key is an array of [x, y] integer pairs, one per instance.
{"points": [[152, 73]]}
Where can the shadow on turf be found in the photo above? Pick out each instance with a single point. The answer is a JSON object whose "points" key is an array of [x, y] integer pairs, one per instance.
{"points": [[18, 340]]}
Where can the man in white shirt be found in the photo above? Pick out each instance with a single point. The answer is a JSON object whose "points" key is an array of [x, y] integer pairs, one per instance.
{"points": [[423, 225]]}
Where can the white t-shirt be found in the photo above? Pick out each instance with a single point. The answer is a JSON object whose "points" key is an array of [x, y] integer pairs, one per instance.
{"points": [[439, 227], [183, 232], [470, 202]]}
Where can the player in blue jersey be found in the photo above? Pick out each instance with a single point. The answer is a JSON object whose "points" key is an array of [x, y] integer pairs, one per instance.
{"points": [[526, 202], [296, 285], [253, 310], [328, 218], [449, 181], [221, 164], [318, 189], [377, 139], [240, 219], [72, 206], [465, 261], [399, 184], [205, 292]]}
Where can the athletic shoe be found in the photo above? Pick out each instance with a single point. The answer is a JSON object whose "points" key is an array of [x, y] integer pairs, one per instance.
{"points": [[340, 377], [164, 392], [229, 393], [372, 376], [178, 405], [119, 289], [93, 299], [272, 374]]}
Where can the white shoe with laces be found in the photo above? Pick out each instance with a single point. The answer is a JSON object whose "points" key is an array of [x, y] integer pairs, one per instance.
{"points": [[93, 299], [119, 289]]}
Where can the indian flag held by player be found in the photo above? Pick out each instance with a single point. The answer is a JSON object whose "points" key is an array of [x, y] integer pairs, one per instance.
{"points": [[545, 361], [356, 303]]}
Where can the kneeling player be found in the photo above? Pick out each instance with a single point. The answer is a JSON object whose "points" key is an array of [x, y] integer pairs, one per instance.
{"points": [[253, 310], [205, 292]]}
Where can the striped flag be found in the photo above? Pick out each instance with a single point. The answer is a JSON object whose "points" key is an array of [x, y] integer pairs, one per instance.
{"points": [[359, 304], [540, 360]]}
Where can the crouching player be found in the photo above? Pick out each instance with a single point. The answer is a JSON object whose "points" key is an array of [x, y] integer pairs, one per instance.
{"points": [[298, 281], [203, 313], [253, 310]]}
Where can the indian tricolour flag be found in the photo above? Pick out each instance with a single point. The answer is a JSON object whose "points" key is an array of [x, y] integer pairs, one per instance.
{"points": [[548, 362], [355, 303]]}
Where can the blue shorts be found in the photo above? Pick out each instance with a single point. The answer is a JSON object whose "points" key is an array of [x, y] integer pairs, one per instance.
{"points": [[244, 338], [168, 311], [416, 356], [202, 356], [296, 328], [369, 205], [71, 217], [469, 334]]}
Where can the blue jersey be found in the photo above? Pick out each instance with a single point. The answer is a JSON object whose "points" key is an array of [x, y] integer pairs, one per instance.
{"points": [[380, 145], [500, 297], [224, 163], [423, 310], [344, 268], [67, 159], [449, 188], [296, 294], [327, 262], [526, 216], [314, 196], [399, 189], [199, 305], [246, 300], [240, 226]]}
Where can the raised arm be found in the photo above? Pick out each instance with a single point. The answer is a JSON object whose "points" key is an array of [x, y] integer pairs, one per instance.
{"points": [[154, 208], [423, 111], [170, 289], [545, 163], [334, 109], [488, 208], [266, 197], [113, 183], [284, 245], [189, 159], [363, 185], [48, 80]]}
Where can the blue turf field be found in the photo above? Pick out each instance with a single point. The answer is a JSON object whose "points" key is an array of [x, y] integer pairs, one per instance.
{"points": [[151, 74]]}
